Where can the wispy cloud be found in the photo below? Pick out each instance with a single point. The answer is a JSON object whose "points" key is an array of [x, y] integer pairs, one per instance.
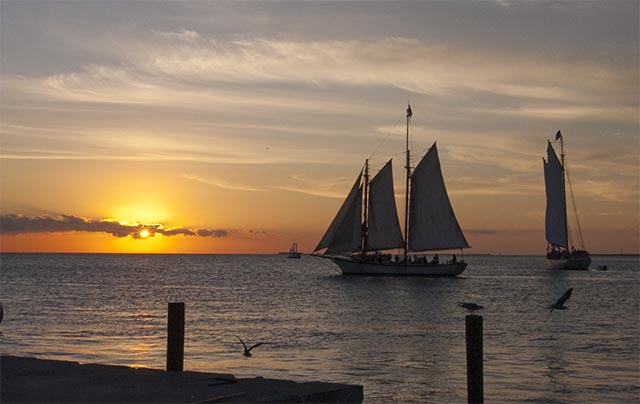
{"points": [[501, 185], [183, 35], [223, 184], [626, 113], [20, 224], [182, 70], [336, 187], [612, 191]]}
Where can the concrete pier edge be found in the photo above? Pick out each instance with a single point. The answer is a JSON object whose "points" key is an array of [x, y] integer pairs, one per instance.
{"points": [[31, 380]]}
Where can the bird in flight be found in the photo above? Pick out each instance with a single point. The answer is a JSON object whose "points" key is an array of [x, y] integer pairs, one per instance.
{"points": [[472, 307], [247, 351], [559, 305]]}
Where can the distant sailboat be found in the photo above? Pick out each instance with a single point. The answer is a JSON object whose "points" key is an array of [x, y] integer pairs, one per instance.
{"points": [[559, 255], [293, 251], [367, 223]]}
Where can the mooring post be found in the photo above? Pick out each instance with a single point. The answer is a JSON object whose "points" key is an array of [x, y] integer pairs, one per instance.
{"points": [[475, 377], [175, 337]]}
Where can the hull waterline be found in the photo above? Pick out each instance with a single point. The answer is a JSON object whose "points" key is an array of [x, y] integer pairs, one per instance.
{"points": [[350, 267], [581, 262]]}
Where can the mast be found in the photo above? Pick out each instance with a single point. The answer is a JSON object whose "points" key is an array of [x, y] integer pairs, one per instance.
{"points": [[406, 194], [365, 223], [564, 192]]}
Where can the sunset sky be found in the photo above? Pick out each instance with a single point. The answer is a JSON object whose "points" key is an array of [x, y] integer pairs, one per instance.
{"points": [[238, 127]]}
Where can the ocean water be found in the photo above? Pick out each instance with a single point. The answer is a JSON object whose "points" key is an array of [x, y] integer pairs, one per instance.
{"points": [[401, 338]]}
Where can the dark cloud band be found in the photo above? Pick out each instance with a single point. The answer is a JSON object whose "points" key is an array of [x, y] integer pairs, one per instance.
{"points": [[20, 224]]}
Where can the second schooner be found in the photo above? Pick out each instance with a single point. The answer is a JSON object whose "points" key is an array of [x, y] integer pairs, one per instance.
{"points": [[559, 255], [367, 223]]}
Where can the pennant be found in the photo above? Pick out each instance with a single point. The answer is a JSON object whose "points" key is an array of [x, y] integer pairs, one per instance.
{"points": [[409, 112], [558, 135]]}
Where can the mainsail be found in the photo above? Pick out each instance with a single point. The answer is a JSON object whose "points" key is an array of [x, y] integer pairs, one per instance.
{"points": [[345, 232], [555, 215], [383, 228], [432, 222]]}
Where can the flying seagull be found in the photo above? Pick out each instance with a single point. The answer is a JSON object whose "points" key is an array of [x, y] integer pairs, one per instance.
{"points": [[247, 351], [559, 305], [472, 307]]}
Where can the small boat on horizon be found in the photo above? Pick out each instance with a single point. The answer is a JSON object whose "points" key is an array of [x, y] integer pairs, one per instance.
{"points": [[561, 252], [367, 225], [293, 251]]}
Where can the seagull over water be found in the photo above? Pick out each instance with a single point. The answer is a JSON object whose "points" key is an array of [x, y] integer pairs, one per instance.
{"points": [[247, 351], [559, 305], [472, 307]]}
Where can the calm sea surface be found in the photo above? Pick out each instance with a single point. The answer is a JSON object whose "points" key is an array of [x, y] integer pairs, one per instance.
{"points": [[401, 338]]}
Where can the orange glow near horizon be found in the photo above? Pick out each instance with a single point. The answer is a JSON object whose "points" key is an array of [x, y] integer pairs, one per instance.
{"points": [[86, 242], [141, 213]]}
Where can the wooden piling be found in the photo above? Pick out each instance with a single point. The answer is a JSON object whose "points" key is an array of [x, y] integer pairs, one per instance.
{"points": [[475, 377], [175, 337]]}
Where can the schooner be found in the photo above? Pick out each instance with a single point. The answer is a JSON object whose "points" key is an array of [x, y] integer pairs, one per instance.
{"points": [[559, 255], [367, 223]]}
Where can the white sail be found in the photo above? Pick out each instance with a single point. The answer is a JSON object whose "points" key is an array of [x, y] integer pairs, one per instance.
{"points": [[383, 227], [555, 215], [345, 231], [432, 222]]}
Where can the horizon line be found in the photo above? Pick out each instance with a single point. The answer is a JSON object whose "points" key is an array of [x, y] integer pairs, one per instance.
{"points": [[285, 252]]}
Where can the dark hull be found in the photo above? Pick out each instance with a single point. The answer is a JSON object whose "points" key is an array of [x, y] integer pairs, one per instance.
{"points": [[350, 267], [578, 260]]}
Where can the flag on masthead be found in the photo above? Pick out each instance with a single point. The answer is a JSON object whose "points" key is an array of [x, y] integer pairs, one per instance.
{"points": [[409, 112]]}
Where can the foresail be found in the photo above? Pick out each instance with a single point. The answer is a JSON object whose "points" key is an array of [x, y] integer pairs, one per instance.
{"points": [[555, 215], [432, 222], [383, 227], [345, 231]]}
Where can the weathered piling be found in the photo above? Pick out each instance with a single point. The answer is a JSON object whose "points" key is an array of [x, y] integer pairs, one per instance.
{"points": [[175, 337], [475, 377]]}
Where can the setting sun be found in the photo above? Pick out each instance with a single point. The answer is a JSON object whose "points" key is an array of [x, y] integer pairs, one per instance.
{"points": [[144, 233]]}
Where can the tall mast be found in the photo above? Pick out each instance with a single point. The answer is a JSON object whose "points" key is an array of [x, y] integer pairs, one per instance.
{"points": [[564, 191], [365, 223], [406, 194]]}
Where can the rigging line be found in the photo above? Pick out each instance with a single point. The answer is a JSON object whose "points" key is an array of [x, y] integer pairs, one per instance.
{"points": [[422, 152], [575, 210], [385, 137], [569, 237], [413, 147]]}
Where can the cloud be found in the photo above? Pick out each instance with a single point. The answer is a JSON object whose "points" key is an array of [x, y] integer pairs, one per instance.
{"points": [[625, 114], [222, 184], [186, 68], [501, 185], [21, 224], [503, 3], [183, 35], [212, 233], [326, 188]]}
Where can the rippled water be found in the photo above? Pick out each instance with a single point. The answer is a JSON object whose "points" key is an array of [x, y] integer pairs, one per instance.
{"points": [[401, 338]]}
